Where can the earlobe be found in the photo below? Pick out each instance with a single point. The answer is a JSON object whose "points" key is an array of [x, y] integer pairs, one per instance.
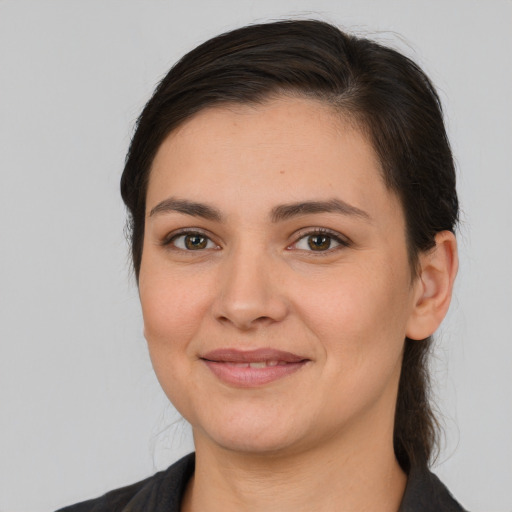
{"points": [[433, 289]]}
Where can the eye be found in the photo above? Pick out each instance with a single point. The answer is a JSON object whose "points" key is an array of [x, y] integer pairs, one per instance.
{"points": [[319, 241], [191, 241]]}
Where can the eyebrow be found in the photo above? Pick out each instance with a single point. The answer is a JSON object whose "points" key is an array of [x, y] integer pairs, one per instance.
{"points": [[188, 208], [286, 211], [279, 213]]}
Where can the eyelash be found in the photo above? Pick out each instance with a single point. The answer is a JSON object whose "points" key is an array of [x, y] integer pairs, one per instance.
{"points": [[342, 242], [170, 240], [332, 235]]}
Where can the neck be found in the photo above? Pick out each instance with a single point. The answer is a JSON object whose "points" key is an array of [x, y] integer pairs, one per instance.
{"points": [[333, 477]]}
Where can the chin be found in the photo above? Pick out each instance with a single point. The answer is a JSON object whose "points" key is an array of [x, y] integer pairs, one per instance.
{"points": [[244, 445], [250, 437]]}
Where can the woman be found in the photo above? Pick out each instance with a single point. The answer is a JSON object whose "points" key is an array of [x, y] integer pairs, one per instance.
{"points": [[292, 203]]}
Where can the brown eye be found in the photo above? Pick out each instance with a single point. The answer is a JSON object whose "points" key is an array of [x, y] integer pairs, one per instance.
{"points": [[319, 242], [192, 242]]}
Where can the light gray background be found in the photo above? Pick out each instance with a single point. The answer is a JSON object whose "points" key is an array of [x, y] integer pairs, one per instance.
{"points": [[80, 409]]}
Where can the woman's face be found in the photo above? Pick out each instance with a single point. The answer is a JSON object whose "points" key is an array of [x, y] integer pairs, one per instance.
{"points": [[275, 283]]}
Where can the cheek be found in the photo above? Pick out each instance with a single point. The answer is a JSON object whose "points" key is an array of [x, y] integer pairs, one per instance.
{"points": [[173, 306], [359, 316], [172, 309], [361, 297]]}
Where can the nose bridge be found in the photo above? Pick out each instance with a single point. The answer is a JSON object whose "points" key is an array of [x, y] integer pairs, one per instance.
{"points": [[249, 293]]}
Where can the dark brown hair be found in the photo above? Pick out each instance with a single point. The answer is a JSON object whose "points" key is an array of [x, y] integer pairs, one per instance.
{"points": [[388, 97]]}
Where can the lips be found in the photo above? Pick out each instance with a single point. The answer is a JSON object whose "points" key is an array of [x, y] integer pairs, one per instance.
{"points": [[252, 368]]}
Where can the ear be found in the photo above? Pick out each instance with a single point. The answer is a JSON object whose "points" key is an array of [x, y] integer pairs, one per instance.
{"points": [[433, 287]]}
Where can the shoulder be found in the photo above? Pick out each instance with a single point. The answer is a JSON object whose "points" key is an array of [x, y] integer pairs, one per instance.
{"points": [[162, 491], [112, 501], [426, 493]]}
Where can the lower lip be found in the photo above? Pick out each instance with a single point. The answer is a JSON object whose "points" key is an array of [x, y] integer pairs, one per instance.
{"points": [[247, 377]]}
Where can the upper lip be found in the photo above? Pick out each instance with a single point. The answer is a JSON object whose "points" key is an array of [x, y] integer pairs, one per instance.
{"points": [[230, 355]]}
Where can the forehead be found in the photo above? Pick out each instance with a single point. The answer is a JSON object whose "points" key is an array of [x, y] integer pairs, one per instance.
{"points": [[260, 123], [284, 148]]}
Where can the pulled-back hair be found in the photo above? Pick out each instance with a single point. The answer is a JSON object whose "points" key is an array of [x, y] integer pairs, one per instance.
{"points": [[384, 93]]}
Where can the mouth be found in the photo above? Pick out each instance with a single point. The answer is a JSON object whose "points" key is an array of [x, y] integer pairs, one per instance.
{"points": [[252, 368]]}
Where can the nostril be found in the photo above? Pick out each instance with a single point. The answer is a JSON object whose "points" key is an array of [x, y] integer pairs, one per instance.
{"points": [[246, 300], [245, 322]]}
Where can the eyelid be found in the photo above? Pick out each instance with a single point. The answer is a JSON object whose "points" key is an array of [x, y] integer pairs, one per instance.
{"points": [[168, 239], [343, 240]]}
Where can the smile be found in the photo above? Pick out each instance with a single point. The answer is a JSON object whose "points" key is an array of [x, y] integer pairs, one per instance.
{"points": [[252, 368], [258, 364]]}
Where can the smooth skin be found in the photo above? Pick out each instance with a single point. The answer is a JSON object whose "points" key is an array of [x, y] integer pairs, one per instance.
{"points": [[236, 257]]}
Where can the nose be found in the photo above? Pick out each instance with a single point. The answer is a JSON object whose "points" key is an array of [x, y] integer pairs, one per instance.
{"points": [[250, 292]]}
